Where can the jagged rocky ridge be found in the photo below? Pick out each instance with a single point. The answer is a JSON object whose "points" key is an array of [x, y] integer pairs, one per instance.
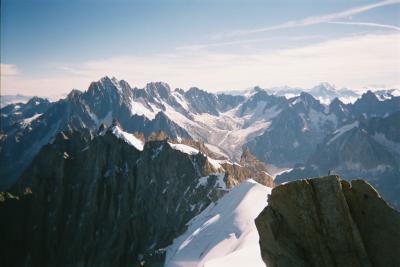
{"points": [[328, 222], [108, 199], [281, 131]]}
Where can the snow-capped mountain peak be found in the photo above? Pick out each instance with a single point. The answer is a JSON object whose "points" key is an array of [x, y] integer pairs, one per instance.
{"points": [[159, 90]]}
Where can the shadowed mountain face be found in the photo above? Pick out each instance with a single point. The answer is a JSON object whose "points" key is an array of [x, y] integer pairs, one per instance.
{"points": [[328, 222], [120, 199]]}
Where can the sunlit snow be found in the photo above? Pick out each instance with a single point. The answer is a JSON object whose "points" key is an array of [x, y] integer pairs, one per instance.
{"points": [[184, 148], [224, 234], [128, 138]]}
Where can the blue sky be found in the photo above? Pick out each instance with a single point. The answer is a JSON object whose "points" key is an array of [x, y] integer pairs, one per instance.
{"points": [[50, 47]]}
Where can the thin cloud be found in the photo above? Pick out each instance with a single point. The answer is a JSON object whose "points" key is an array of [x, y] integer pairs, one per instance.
{"points": [[352, 62], [8, 70], [195, 47], [368, 24], [312, 20]]}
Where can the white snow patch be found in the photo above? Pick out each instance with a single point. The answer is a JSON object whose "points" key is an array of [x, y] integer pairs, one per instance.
{"points": [[285, 170], [215, 163], [184, 148], [180, 99], [140, 107], [28, 121], [296, 101], [224, 234], [203, 181], [342, 130], [324, 100], [220, 183], [348, 99], [290, 95], [128, 138]]}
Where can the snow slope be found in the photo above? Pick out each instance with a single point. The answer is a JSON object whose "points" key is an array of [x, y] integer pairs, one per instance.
{"points": [[184, 148], [128, 138], [28, 121], [224, 234]]}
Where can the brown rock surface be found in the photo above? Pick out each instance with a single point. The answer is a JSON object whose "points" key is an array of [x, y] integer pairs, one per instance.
{"points": [[248, 167], [328, 222]]}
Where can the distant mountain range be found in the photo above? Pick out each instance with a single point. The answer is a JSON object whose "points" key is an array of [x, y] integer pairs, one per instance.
{"points": [[324, 92], [281, 131], [14, 99], [11, 99]]}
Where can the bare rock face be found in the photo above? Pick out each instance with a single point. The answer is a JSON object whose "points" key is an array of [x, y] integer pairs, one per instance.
{"points": [[328, 222], [248, 166]]}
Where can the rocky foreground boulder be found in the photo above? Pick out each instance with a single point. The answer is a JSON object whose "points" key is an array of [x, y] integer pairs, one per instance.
{"points": [[328, 222]]}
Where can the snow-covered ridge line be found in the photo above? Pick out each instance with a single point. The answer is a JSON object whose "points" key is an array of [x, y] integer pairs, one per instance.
{"points": [[139, 144], [184, 148], [193, 151], [128, 138], [224, 234]]}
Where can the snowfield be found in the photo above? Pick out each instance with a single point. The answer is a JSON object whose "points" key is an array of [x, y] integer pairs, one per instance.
{"points": [[224, 234]]}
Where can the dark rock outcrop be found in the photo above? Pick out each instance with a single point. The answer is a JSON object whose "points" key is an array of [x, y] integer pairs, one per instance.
{"points": [[248, 166], [92, 199], [328, 222]]}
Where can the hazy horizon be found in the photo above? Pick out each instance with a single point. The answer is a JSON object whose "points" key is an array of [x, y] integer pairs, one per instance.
{"points": [[234, 91]]}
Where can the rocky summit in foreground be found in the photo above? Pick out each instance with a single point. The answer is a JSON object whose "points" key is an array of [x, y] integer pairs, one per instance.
{"points": [[328, 222]]}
